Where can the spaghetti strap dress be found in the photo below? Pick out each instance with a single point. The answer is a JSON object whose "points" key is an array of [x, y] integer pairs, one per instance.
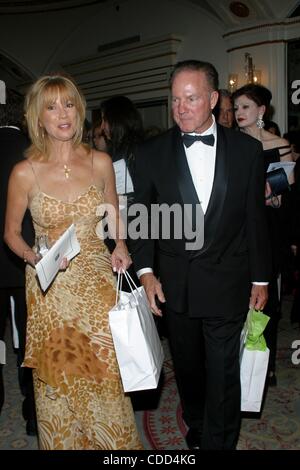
{"points": [[79, 396]]}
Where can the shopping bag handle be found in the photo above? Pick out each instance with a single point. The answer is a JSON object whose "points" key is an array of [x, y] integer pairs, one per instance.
{"points": [[119, 285], [130, 281], [133, 287]]}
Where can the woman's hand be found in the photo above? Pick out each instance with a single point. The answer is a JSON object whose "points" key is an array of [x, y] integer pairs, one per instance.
{"points": [[120, 259], [274, 201], [64, 264], [31, 257], [268, 192], [294, 249]]}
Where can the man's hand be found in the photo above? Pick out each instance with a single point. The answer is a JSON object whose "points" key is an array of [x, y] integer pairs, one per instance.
{"points": [[153, 289], [259, 297]]}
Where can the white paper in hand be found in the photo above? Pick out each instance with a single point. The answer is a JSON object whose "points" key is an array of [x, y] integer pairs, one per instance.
{"points": [[287, 166], [123, 179], [67, 246]]}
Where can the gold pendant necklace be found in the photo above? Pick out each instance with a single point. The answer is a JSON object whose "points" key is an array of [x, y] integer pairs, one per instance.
{"points": [[67, 171]]}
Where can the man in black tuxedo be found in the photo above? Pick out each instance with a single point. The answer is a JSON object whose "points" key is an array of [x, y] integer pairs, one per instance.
{"points": [[13, 143], [207, 289]]}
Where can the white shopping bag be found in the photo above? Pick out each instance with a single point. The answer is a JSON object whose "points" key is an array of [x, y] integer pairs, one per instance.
{"points": [[254, 368], [253, 364], [138, 348]]}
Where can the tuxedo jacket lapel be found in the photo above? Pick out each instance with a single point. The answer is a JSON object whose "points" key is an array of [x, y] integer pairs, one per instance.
{"points": [[187, 188], [219, 189], [184, 178]]}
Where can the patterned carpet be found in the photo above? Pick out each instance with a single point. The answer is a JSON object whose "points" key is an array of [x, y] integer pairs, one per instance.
{"points": [[158, 412], [276, 427]]}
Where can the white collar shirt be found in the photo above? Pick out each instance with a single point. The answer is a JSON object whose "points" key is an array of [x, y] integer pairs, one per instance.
{"points": [[201, 160]]}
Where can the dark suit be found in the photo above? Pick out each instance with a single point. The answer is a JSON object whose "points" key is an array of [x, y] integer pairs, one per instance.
{"points": [[12, 146], [12, 276], [207, 291]]}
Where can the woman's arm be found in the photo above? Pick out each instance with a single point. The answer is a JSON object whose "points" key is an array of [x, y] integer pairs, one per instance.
{"points": [[286, 156], [120, 256], [17, 202]]}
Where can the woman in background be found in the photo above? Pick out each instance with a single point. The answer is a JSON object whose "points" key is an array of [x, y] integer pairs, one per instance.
{"points": [[250, 104], [122, 128], [98, 139]]}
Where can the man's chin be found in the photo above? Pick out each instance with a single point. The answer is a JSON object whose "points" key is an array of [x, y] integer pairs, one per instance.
{"points": [[187, 129]]}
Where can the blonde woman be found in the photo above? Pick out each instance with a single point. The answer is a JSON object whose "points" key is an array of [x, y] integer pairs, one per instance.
{"points": [[79, 397]]}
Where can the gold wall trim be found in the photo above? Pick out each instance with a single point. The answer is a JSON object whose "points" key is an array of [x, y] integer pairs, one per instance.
{"points": [[261, 26], [275, 41]]}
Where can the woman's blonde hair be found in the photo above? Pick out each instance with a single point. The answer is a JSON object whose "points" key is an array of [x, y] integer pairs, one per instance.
{"points": [[41, 94]]}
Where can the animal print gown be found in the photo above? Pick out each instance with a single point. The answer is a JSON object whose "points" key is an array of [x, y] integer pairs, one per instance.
{"points": [[79, 397]]}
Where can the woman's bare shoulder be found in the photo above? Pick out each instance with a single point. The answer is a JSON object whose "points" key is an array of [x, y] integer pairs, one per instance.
{"points": [[22, 176], [101, 156], [102, 160], [103, 168], [99, 160], [271, 141], [22, 169], [283, 142]]}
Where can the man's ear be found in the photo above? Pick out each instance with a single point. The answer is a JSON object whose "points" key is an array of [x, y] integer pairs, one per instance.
{"points": [[214, 96]]}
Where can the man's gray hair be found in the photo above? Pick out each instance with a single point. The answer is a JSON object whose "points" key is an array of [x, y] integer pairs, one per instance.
{"points": [[197, 66]]}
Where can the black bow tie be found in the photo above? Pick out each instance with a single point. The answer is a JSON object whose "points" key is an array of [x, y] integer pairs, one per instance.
{"points": [[188, 139]]}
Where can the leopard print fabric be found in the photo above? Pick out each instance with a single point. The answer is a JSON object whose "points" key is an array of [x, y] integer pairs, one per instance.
{"points": [[79, 396]]}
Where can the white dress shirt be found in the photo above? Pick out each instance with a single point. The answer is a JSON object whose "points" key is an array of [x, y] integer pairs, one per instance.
{"points": [[201, 160]]}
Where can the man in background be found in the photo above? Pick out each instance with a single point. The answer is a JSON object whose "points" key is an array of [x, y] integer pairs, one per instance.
{"points": [[13, 143], [224, 109]]}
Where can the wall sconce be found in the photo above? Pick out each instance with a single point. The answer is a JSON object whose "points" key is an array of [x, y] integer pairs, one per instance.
{"points": [[248, 68], [232, 82], [257, 77], [252, 75]]}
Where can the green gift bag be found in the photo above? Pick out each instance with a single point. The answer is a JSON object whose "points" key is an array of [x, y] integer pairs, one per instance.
{"points": [[254, 358]]}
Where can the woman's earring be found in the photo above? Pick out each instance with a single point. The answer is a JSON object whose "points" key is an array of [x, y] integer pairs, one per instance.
{"points": [[260, 123]]}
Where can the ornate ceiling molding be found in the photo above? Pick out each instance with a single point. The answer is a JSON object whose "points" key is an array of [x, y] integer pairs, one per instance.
{"points": [[138, 70]]}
